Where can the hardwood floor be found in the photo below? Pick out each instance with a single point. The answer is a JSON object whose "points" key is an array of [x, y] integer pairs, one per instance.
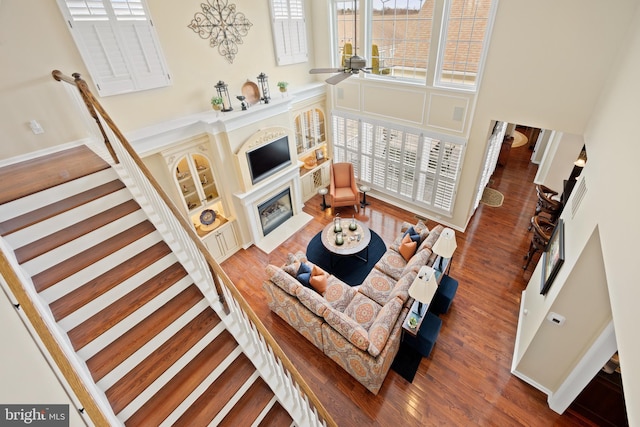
{"points": [[467, 379]]}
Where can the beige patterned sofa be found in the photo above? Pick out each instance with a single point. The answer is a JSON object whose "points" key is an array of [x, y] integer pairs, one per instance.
{"points": [[358, 327]]}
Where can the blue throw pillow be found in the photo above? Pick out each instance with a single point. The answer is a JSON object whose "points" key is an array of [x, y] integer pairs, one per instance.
{"points": [[413, 234], [304, 274]]}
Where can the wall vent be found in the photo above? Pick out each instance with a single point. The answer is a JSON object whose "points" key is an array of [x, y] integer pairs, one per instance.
{"points": [[578, 195]]}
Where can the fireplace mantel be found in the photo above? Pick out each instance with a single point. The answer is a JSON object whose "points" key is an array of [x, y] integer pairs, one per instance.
{"points": [[158, 137]]}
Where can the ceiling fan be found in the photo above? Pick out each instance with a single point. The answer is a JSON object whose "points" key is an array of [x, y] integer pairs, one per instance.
{"points": [[353, 65]]}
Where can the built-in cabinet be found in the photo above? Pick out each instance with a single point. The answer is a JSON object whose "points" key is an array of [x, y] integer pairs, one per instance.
{"points": [[195, 179], [310, 130], [311, 147], [314, 179], [222, 242]]}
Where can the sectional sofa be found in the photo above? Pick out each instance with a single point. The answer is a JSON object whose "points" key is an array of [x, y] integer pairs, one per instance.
{"points": [[359, 327]]}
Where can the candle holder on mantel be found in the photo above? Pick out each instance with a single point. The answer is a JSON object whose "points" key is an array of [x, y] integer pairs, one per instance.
{"points": [[263, 79], [223, 92]]}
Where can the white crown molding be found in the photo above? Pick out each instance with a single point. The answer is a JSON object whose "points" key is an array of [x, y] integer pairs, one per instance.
{"points": [[159, 137]]}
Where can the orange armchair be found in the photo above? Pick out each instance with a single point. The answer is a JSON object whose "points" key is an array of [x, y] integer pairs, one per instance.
{"points": [[343, 189]]}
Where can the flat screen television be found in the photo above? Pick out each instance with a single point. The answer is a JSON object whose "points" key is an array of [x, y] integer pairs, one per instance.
{"points": [[268, 159]]}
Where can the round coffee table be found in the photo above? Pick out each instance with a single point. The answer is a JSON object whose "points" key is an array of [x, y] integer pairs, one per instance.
{"points": [[355, 241]]}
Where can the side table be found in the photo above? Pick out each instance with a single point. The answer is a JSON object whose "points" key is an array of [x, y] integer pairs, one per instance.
{"points": [[426, 336], [413, 321], [364, 189], [323, 192], [417, 313]]}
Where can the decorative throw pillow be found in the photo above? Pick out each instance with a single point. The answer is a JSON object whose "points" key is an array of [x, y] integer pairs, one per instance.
{"points": [[292, 265], [407, 247], [413, 234], [304, 274], [422, 230], [318, 280], [431, 238], [283, 280]]}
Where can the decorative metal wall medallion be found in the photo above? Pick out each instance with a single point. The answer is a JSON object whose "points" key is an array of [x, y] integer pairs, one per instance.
{"points": [[222, 25]]}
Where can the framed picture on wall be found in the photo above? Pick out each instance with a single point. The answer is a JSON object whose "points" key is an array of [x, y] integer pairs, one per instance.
{"points": [[552, 257]]}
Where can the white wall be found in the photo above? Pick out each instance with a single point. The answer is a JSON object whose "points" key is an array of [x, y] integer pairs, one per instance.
{"points": [[610, 206], [547, 352], [557, 161], [25, 375], [34, 40], [612, 176]]}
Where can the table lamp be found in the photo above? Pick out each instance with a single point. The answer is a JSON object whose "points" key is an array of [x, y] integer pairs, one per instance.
{"points": [[424, 287], [445, 245]]}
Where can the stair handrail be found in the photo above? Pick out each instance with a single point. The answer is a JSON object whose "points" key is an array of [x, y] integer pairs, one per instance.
{"points": [[234, 302], [91, 406]]}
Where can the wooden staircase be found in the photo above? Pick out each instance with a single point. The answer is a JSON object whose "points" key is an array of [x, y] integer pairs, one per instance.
{"points": [[149, 339]]}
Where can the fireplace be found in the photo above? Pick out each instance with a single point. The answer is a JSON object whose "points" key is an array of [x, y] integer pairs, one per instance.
{"points": [[275, 211], [274, 203]]}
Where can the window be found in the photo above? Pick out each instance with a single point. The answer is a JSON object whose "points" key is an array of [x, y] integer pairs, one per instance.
{"points": [[289, 31], [401, 162], [118, 44], [346, 21], [401, 38], [464, 35], [400, 44]]}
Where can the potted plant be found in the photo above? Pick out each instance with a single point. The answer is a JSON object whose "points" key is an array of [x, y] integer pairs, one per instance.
{"points": [[283, 86], [216, 103]]}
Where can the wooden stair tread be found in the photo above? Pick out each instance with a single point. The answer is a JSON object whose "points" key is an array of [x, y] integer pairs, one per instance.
{"points": [[277, 416], [54, 240], [207, 406], [32, 176], [18, 223], [108, 358], [48, 172], [140, 377], [102, 321], [91, 290], [58, 272], [252, 403], [165, 401]]}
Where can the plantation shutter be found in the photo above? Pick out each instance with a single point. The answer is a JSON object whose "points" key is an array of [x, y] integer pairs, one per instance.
{"points": [[491, 159], [289, 31], [118, 44], [409, 162], [394, 156], [399, 161], [438, 174], [379, 157], [366, 152]]}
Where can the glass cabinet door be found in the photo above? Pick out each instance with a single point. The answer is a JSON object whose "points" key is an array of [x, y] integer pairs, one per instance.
{"points": [[196, 181], [310, 129], [187, 184], [205, 176]]}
